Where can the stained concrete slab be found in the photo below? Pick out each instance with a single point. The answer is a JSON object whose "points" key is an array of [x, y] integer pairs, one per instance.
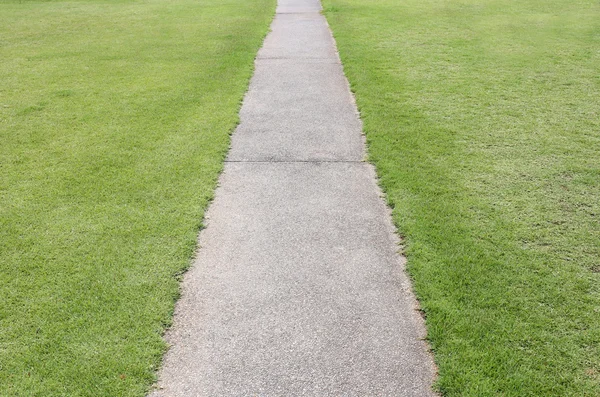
{"points": [[297, 289]]}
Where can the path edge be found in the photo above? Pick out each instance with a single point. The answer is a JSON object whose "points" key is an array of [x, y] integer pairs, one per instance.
{"points": [[154, 388], [393, 230]]}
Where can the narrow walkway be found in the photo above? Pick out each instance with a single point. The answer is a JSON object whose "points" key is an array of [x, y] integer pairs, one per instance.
{"points": [[297, 289]]}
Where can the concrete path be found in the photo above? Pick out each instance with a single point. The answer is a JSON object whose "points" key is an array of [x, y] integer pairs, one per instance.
{"points": [[297, 289]]}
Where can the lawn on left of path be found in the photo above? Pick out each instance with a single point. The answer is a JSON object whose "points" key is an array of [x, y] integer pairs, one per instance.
{"points": [[114, 123]]}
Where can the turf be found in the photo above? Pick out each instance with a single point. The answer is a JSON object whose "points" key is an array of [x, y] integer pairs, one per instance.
{"points": [[114, 122], [483, 119]]}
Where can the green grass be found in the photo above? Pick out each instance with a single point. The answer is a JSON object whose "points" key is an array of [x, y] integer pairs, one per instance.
{"points": [[483, 119], [114, 121]]}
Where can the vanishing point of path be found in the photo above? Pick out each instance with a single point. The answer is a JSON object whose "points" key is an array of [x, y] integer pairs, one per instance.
{"points": [[297, 289]]}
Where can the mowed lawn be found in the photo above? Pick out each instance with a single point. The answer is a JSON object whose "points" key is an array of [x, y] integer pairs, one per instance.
{"points": [[114, 121], [483, 119]]}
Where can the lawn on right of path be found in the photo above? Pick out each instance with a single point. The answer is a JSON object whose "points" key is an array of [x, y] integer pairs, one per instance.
{"points": [[483, 119]]}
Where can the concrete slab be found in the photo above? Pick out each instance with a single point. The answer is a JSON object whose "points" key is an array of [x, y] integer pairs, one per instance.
{"points": [[297, 289], [298, 6], [299, 35], [298, 110]]}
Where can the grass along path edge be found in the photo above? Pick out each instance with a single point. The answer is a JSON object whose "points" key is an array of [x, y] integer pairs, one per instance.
{"points": [[482, 121], [114, 122]]}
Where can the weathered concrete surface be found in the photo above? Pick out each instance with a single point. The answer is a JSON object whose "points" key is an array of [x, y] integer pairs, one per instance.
{"points": [[298, 111], [297, 289]]}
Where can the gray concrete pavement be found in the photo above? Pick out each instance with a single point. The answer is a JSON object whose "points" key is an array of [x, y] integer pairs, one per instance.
{"points": [[297, 289]]}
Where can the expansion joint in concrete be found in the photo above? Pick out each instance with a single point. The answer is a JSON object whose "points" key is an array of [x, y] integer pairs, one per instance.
{"points": [[331, 60], [299, 13], [295, 161]]}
